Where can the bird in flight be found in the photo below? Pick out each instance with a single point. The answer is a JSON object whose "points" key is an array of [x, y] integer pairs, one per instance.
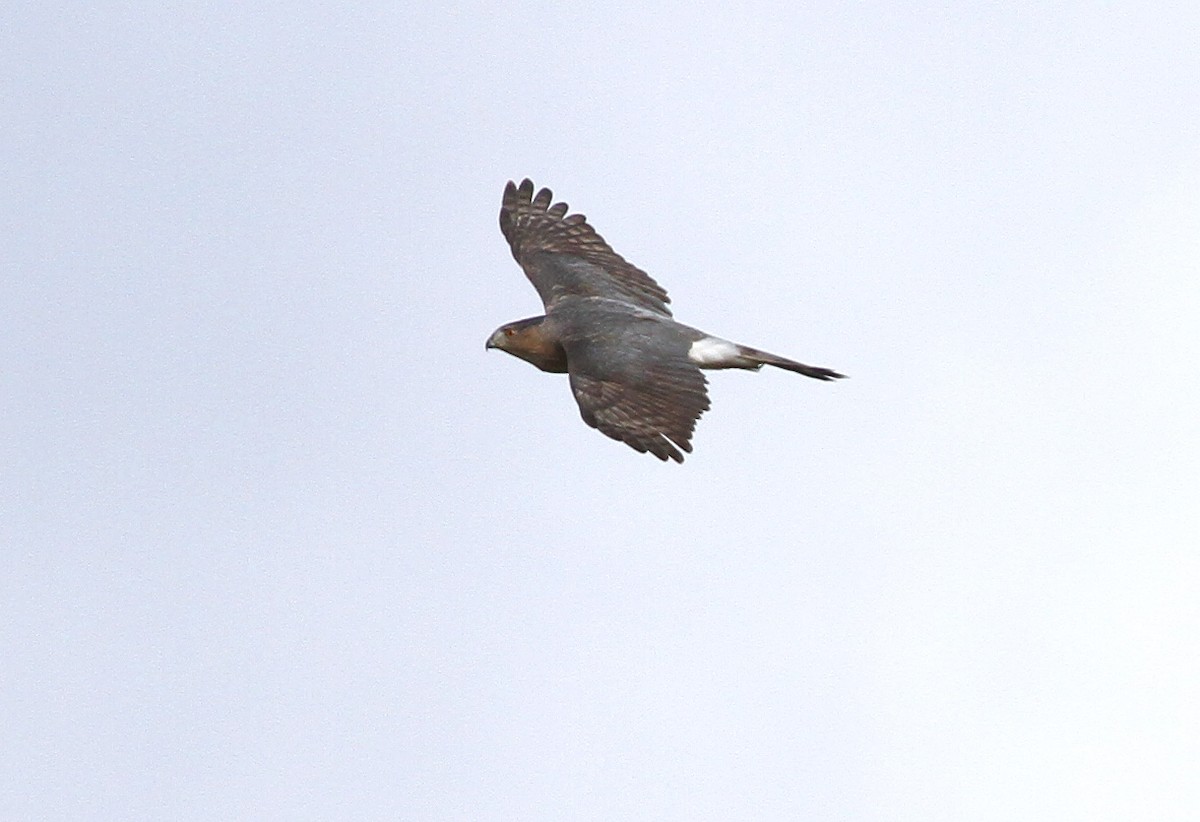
{"points": [[634, 370]]}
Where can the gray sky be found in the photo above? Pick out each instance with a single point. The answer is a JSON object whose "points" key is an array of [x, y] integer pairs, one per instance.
{"points": [[280, 541]]}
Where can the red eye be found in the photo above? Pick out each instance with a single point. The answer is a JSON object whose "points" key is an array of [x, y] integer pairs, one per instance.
{"points": [[508, 332]]}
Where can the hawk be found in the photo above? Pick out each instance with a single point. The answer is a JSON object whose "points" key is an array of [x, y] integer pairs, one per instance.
{"points": [[634, 370]]}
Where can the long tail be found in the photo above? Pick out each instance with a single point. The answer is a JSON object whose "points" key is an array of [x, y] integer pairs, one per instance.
{"points": [[761, 358], [714, 352]]}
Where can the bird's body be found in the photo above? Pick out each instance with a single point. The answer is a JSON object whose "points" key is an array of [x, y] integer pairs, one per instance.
{"points": [[634, 370]]}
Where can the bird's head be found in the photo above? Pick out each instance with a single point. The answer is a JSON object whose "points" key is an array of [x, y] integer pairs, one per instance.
{"points": [[527, 339]]}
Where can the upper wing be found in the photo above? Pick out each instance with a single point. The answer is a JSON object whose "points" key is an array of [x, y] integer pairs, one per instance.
{"points": [[564, 256], [636, 395]]}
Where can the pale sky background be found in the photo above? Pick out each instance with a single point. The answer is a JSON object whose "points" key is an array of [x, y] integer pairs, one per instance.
{"points": [[282, 542]]}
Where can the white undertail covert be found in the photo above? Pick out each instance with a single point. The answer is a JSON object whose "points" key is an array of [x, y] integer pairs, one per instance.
{"points": [[714, 352]]}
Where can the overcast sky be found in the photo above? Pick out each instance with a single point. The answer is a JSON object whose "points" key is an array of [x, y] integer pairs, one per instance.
{"points": [[281, 541]]}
